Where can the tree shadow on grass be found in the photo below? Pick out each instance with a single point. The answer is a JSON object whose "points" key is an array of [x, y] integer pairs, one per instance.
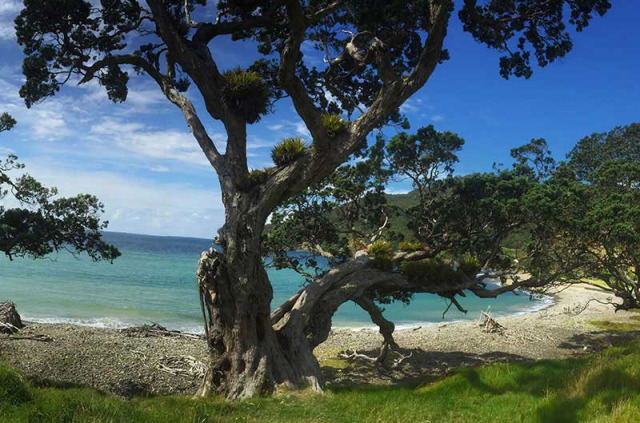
{"points": [[598, 341], [127, 389], [420, 367], [608, 387]]}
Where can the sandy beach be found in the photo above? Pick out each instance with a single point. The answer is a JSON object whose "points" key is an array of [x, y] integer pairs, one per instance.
{"points": [[114, 361]]}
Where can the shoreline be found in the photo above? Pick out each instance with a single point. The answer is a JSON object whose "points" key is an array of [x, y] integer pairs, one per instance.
{"points": [[111, 361], [113, 323]]}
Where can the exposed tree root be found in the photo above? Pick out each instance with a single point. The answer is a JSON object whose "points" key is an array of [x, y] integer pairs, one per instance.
{"points": [[386, 352]]}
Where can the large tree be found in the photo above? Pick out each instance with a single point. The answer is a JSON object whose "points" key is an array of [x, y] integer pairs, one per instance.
{"points": [[377, 55], [603, 228], [42, 222]]}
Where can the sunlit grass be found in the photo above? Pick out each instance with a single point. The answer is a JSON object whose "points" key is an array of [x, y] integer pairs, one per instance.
{"points": [[617, 326], [597, 388]]}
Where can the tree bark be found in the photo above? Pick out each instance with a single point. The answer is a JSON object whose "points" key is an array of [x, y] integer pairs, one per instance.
{"points": [[248, 357]]}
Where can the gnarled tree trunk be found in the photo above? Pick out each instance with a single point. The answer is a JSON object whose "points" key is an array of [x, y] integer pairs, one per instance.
{"points": [[254, 351], [248, 356]]}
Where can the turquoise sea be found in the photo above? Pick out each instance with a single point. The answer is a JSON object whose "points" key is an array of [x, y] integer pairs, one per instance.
{"points": [[153, 281]]}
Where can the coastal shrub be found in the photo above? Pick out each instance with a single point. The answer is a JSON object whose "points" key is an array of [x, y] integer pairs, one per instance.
{"points": [[431, 271], [253, 178], [381, 254], [246, 93], [333, 124], [409, 246], [469, 265], [288, 151], [356, 245], [13, 388]]}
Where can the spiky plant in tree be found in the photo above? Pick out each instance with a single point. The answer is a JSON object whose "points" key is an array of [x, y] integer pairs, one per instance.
{"points": [[288, 151]]}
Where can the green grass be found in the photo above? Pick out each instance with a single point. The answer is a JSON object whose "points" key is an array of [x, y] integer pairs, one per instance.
{"points": [[618, 326], [598, 388], [596, 282]]}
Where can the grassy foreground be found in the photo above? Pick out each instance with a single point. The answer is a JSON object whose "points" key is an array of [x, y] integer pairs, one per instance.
{"points": [[603, 387]]}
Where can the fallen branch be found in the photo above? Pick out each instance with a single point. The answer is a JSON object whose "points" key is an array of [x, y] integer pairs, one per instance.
{"points": [[185, 366], [10, 328], [381, 358]]}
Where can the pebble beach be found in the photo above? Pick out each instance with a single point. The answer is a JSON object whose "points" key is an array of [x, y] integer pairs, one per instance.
{"points": [[127, 364]]}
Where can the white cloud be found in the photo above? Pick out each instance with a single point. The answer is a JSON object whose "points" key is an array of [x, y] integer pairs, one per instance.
{"points": [[290, 128], [8, 11], [10, 6], [411, 105], [137, 205], [149, 142], [437, 118]]}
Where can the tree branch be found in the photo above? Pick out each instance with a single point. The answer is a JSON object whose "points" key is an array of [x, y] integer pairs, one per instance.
{"points": [[184, 104]]}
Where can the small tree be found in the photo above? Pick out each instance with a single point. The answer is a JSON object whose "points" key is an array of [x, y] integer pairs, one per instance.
{"points": [[377, 54], [43, 223]]}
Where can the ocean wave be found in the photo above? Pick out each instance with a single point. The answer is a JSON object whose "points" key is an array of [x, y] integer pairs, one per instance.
{"points": [[107, 323], [103, 323]]}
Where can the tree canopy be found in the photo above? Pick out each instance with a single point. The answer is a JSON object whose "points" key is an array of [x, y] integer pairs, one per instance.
{"points": [[43, 222], [376, 55]]}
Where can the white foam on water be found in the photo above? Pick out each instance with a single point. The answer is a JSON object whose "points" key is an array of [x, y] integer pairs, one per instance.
{"points": [[103, 323], [106, 323], [114, 323]]}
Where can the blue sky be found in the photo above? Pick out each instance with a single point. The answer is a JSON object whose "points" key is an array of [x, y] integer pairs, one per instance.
{"points": [[141, 161]]}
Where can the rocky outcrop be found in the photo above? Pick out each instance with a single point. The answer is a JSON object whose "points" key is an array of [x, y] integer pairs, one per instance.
{"points": [[10, 321]]}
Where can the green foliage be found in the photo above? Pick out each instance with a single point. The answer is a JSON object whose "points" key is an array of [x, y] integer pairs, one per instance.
{"points": [[469, 265], [534, 158], [620, 144], [589, 220], [59, 35], [44, 223], [409, 246], [288, 151], [6, 122], [253, 178], [474, 214], [432, 272], [595, 388], [424, 156], [524, 28], [246, 93], [333, 124], [382, 254]]}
